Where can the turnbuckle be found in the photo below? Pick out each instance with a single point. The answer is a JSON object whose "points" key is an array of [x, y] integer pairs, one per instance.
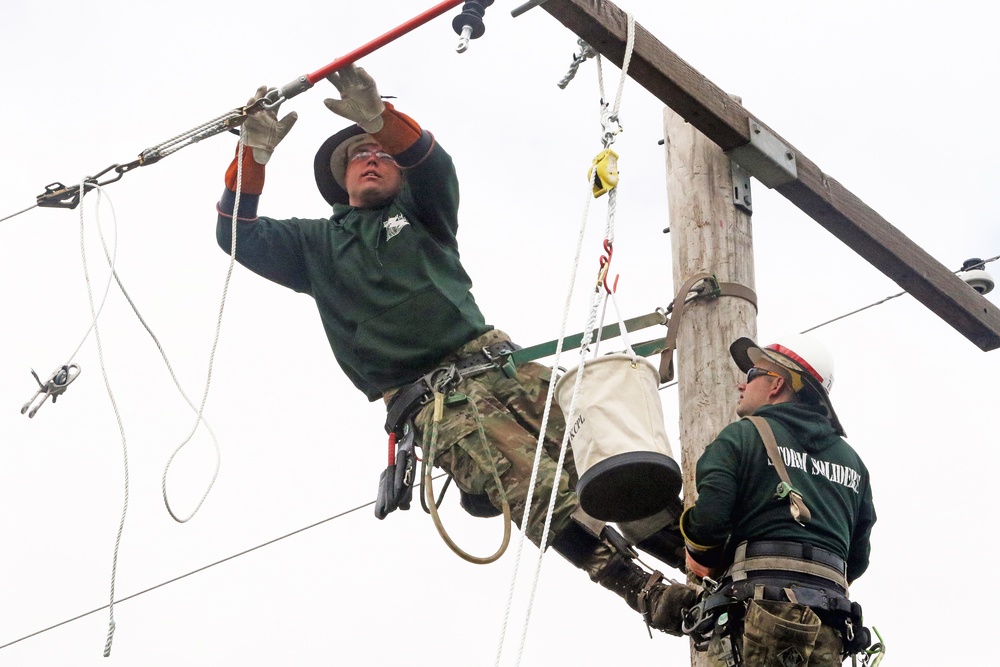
{"points": [[55, 386]]}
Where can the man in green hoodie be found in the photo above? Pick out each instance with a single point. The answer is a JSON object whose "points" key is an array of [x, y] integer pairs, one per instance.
{"points": [[398, 310], [784, 532]]}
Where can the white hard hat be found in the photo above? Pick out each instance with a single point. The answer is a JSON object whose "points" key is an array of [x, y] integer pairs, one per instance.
{"points": [[809, 362]]}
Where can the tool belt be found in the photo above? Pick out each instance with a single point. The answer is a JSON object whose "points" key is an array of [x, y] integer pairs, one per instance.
{"points": [[395, 488], [783, 572]]}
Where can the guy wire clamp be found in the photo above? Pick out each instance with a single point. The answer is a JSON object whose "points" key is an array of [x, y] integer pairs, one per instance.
{"points": [[57, 383]]}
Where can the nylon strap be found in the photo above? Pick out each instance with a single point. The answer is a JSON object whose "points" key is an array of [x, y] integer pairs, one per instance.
{"points": [[742, 566], [610, 331], [797, 506], [680, 302]]}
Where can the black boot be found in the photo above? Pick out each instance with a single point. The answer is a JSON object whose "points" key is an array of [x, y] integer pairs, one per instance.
{"points": [[662, 604]]}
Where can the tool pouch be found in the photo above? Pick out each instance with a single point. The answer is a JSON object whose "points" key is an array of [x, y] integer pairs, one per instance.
{"points": [[395, 484], [779, 633]]}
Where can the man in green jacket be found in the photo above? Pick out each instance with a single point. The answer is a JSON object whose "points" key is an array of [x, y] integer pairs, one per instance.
{"points": [[398, 310], [784, 533]]}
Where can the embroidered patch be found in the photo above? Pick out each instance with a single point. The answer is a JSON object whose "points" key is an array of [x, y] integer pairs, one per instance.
{"points": [[790, 657], [394, 225]]}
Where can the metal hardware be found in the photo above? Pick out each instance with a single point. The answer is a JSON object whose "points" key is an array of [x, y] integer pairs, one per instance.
{"points": [[55, 386], [741, 187], [766, 158]]}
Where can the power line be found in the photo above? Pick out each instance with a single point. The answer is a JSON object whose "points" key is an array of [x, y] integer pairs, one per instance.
{"points": [[368, 504], [195, 571]]}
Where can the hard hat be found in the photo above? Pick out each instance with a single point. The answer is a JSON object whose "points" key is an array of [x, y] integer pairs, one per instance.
{"points": [[809, 363], [330, 163]]}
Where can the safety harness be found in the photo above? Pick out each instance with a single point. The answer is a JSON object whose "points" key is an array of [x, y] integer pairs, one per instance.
{"points": [[395, 489], [782, 572]]}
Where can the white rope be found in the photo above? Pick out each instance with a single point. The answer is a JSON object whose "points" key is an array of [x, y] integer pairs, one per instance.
{"points": [[543, 427], [585, 343], [211, 358], [118, 418]]}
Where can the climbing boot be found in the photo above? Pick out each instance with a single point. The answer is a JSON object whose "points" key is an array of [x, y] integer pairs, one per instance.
{"points": [[662, 604]]}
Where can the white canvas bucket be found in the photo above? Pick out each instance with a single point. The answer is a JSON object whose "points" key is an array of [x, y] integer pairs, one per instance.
{"points": [[627, 471]]}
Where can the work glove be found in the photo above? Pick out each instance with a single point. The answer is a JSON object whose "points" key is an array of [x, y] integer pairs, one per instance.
{"points": [[359, 99], [262, 130]]}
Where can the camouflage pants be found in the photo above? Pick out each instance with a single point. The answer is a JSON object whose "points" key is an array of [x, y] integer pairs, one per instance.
{"points": [[781, 634], [509, 412]]}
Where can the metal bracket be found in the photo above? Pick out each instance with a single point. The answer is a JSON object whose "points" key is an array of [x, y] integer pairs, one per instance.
{"points": [[766, 158], [741, 187]]}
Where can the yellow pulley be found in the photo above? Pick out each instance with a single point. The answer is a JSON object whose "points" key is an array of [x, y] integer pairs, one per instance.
{"points": [[603, 173]]}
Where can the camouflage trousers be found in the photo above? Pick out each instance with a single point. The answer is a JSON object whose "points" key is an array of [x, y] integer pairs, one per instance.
{"points": [[496, 427], [780, 634]]}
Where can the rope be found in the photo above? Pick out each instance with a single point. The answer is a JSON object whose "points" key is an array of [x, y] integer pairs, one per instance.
{"points": [[588, 332], [121, 430], [544, 426], [428, 491], [207, 129], [211, 360]]}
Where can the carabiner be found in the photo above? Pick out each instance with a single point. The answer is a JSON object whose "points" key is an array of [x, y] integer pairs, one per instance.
{"points": [[602, 274]]}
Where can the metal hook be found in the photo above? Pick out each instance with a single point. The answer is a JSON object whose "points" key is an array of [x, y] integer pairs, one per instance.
{"points": [[602, 275]]}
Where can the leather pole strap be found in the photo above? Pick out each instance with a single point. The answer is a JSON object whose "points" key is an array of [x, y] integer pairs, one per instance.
{"points": [[797, 506], [717, 289]]}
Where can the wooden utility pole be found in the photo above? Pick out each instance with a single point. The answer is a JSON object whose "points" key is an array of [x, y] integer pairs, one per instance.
{"points": [[708, 234], [779, 165]]}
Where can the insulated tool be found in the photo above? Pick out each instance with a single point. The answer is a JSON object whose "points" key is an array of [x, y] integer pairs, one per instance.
{"points": [[68, 196]]}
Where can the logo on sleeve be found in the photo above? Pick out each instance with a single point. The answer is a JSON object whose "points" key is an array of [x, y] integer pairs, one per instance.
{"points": [[394, 225]]}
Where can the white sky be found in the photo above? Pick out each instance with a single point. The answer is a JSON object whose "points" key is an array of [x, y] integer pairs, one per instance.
{"points": [[891, 99]]}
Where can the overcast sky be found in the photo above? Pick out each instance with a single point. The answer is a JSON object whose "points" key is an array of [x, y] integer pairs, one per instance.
{"points": [[891, 99]]}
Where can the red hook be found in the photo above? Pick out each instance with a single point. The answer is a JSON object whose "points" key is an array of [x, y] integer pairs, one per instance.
{"points": [[602, 276]]}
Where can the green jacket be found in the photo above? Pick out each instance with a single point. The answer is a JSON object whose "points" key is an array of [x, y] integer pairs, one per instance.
{"points": [[736, 490], [391, 292]]}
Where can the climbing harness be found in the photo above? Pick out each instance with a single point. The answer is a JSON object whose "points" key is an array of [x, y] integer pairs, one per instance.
{"points": [[57, 195], [396, 481], [55, 386], [781, 572]]}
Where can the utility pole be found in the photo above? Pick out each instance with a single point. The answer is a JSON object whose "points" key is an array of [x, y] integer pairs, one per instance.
{"points": [[776, 163], [708, 234]]}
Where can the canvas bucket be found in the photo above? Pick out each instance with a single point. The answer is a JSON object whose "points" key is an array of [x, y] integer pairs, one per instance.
{"points": [[627, 470]]}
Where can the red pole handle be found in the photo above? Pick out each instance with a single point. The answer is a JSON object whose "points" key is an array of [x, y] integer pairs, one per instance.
{"points": [[379, 42]]}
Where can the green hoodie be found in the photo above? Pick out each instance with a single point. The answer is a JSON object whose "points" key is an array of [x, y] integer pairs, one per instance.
{"points": [[391, 292], [736, 489]]}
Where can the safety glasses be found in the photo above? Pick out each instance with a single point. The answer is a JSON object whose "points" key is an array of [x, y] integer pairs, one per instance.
{"points": [[367, 155], [755, 372]]}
